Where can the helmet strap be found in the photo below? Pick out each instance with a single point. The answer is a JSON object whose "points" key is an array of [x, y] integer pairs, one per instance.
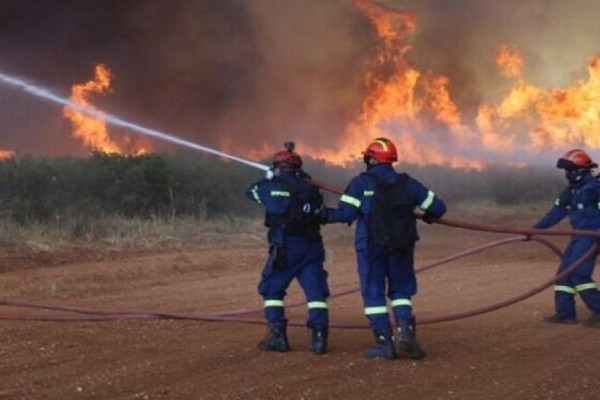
{"points": [[575, 176], [370, 161]]}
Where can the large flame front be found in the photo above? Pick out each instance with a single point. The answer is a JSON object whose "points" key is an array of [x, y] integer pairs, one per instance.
{"points": [[91, 130], [545, 118], [416, 110]]}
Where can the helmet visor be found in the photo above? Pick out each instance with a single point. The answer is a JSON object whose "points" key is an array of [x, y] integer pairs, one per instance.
{"points": [[566, 165]]}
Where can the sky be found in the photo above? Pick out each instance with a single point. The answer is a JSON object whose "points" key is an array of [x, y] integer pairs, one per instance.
{"points": [[244, 74]]}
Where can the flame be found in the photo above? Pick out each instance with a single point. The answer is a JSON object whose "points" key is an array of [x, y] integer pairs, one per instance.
{"points": [[91, 130], [401, 102], [6, 154], [546, 118], [510, 61], [416, 110]]}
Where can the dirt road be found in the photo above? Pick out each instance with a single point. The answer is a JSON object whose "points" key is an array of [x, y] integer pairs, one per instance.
{"points": [[506, 354]]}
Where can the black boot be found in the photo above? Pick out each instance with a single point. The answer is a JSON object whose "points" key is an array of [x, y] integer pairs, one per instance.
{"points": [[407, 340], [276, 339], [384, 346], [318, 343], [557, 319], [593, 321]]}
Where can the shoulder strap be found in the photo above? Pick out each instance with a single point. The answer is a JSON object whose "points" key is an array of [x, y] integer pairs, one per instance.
{"points": [[400, 178]]}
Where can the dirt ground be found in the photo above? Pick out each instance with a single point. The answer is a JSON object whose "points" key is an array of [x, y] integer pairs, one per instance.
{"points": [[505, 354]]}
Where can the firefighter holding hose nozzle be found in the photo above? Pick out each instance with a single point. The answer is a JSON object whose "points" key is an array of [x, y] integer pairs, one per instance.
{"points": [[383, 201], [580, 201], [292, 205]]}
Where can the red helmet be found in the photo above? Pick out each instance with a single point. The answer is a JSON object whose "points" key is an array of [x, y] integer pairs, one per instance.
{"points": [[287, 160], [575, 159], [382, 150]]}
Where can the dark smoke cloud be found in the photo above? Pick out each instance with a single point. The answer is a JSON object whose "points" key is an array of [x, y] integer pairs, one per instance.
{"points": [[252, 72], [214, 71]]}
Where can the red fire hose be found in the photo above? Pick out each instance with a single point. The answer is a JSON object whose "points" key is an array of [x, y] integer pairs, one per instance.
{"points": [[237, 315]]}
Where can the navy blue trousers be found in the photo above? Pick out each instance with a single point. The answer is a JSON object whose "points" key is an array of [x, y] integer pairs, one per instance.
{"points": [[383, 273], [580, 282], [304, 261]]}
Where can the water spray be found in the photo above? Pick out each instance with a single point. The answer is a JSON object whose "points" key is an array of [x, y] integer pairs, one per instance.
{"points": [[46, 94]]}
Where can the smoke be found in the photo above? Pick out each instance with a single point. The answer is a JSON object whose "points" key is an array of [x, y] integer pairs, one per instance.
{"points": [[240, 74], [459, 38], [250, 74]]}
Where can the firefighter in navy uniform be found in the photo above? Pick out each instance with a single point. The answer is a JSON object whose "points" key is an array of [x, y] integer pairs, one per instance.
{"points": [[296, 250], [580, 201], [383, 201]]}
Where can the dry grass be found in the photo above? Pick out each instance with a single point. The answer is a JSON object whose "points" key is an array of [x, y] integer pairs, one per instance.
{"points": [[487, 212], [116, 233]]}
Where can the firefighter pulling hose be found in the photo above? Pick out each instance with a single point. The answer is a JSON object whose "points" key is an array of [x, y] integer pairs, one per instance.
{"points": [[383, 202], [580, 201]]}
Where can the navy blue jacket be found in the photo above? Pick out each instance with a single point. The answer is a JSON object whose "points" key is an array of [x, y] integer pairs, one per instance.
{"points": [[274, 195], [356, 202], [580, 203]]}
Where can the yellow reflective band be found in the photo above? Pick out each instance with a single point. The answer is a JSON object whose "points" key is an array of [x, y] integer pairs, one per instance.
{"points": [[565, 289], [428, 201], [280, 193], [317, 304], [382, 143], [375, 310], [273, 303], [401, 302], [599, 204], [557, 202], [350, 200], [586, 286], [255, 193], [368, 193]]}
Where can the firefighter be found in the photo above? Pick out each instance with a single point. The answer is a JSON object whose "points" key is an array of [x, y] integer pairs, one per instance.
{"points": [[296, 250], [383, 201], [580, 201]]}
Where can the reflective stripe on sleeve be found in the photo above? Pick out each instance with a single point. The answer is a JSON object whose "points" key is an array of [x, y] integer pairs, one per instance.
{"points": [[586, 286], [317, 304], [280, 193], [273, 303], [375, 310], [564, 289], [368, 193], [350, 200], [401, 302], [428, 201], [255, 193]]}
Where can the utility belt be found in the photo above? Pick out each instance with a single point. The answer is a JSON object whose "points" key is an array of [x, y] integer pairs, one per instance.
{"points": [[307, 233]]}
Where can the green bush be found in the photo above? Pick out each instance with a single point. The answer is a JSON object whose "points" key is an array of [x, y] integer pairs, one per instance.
{"points": [[203, 186]]}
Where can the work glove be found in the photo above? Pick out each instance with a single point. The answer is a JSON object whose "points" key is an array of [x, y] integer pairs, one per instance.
{"points": [[324, 215], [278, 256], [428, 217]]}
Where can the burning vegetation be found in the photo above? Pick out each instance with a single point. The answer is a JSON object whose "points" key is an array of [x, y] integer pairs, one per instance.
{"points": [[414, 105]]}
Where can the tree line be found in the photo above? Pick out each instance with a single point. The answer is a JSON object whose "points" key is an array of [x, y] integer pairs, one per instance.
{"points": [[169, 185]]}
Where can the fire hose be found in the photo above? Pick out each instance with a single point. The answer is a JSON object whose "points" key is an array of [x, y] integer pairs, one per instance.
{"points": [[525, 234], [99, 315], [91, 315]]}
